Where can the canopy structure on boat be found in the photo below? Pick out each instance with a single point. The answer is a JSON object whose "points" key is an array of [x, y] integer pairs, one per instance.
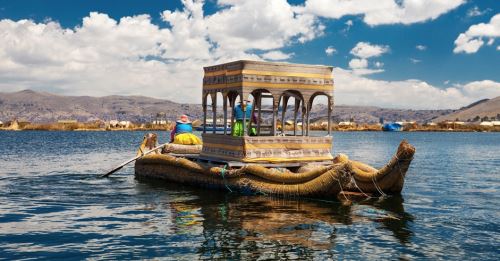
{"points": [[272, 86]]}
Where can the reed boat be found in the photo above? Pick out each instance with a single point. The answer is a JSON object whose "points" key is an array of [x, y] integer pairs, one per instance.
{"points": [[271, 161]]}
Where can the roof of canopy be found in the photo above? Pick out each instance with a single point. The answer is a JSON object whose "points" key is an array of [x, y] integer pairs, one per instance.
{"points": [[245, 76]]}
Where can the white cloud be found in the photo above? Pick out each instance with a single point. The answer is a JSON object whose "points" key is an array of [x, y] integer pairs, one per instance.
{"points": [[260, 24], [133, 56], [360, 67], [475, 11], [472, 39], [382, 11], [414, 61], [366, 50], [353, 89], [421, 47], [277, 55], [348, 26], [358, 63], [330, 50]]}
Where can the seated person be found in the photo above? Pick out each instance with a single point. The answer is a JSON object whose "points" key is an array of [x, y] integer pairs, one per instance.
{"points": [[182, 133], [237, 128]]}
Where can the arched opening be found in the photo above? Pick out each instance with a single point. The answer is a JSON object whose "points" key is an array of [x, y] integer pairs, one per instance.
{"points": [[319, 109], [263, 112], [289, 105]]}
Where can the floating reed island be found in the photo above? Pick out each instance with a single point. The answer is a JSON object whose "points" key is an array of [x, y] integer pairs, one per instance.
{"points": [[263, 159]]}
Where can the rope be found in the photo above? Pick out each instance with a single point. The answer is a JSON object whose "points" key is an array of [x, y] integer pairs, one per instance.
{"points": [[222, 172], [340, 185], [356, 184], [377, 187], [342, 191]]}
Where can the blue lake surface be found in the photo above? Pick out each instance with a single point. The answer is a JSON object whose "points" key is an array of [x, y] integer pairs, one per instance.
{"points": [[54, 206]]}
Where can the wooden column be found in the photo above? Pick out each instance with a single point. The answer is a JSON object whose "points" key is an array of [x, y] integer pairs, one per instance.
{"points": [[205, 114], [232, 102], [295, 112], [308, 110], [244, 109], [303, 118], [214, 113], [224, 105], [258, 102], [283, 112], [250, 124], [330, 108], [275, 113]]}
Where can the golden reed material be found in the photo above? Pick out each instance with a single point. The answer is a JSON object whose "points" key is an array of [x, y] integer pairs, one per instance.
{"points": [[322, 181]]}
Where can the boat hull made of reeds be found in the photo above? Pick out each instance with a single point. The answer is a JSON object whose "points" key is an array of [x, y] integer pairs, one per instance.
{"points": [[323, 181]]}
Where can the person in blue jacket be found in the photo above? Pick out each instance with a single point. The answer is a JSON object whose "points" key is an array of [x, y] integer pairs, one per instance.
{"points": [[237, 128]]}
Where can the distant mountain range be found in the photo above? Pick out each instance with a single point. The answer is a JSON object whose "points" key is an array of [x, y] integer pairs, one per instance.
{"points": [[45, 107], [487, 108]]}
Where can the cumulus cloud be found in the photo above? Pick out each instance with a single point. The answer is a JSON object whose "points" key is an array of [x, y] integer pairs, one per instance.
{"points": [[366, 50], [330, 50], [421, 47], [134, 56], [472, 39], [351, 88], [382, 11], [260, 24], [277, 55], [358, 63], [363, 51], [414, 61], [475, 11]]}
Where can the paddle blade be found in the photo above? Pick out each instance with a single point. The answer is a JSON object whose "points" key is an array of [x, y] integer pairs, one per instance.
{"points": [[112, 171]]}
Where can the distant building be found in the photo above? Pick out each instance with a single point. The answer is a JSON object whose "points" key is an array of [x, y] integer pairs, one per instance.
{"points": [[403, 123], [159, 122], [67, 121], [347, 123], [486, 123], [1, 124], [113, 123], [490, 123], [455, 123]]}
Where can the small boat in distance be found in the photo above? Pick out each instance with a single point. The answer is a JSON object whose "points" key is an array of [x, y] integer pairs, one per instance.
{"points": [[393, 126]]}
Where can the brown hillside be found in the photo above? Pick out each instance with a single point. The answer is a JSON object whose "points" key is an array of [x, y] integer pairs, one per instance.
{"points": [[490, 109]]}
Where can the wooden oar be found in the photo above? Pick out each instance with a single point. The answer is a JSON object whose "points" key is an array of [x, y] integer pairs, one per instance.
{"points": [[131, 160]]}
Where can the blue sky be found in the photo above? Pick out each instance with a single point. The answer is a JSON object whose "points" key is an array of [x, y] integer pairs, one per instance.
{"points": [[412, 50]]}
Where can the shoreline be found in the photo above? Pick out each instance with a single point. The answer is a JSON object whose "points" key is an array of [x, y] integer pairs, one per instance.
{"points": [[497, 129]]}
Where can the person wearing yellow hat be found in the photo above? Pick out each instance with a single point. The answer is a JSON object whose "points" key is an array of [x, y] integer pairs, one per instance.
{"points": [[182, 133]]}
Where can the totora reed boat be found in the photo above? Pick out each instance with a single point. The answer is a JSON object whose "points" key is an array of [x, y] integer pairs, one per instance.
{"points": [[269, 158]]}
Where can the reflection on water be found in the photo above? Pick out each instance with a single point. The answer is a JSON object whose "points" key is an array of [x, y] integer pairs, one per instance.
{"points": [[54, 206], [234, 226]]}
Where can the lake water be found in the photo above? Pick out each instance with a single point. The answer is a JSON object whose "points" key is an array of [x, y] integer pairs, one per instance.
{"points": [[54, 206]]}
